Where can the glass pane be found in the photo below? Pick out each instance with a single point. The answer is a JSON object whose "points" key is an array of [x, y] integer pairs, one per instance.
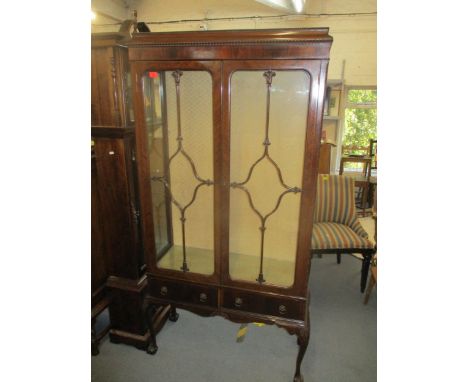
{"points": [[362, 96], [268, 125], [178, 115]]}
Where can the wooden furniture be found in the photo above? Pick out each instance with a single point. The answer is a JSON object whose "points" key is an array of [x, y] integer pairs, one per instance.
{"points": [[325, 157], [336, 227], [115, 184], [373, 277], [373, 153], [373, 175], [364, 159], [333, 117], [361, 181], [110, 102], [99, 262], [372, 281], [350, 152], [228, 135]]}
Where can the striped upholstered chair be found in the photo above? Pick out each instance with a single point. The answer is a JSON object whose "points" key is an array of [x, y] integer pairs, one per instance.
{"points": [[336, 226]]}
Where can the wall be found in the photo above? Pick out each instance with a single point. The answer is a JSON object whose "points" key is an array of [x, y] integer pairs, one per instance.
{"points": [[355, 36]]}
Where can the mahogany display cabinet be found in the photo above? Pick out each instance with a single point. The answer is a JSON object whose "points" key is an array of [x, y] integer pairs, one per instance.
{"points": [[228, 127]]}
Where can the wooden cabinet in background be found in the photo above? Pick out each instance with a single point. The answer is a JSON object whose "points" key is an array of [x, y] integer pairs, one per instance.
{"points": [[99, 266], [325, 157], [110, 81], [99, 262], [115, 184]]}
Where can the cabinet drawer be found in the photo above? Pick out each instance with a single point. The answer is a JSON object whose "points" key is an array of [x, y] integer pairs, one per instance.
{"points": [[272, 306], [184, 292]]}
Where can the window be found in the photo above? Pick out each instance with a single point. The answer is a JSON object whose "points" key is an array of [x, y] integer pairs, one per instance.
{"points": [[360, 122]]}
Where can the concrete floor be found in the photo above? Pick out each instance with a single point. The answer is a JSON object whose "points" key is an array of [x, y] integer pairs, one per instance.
{"points": [[342, 347]]}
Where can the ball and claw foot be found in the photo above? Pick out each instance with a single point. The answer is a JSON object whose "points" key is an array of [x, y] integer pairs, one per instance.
{"points": [[173, 316], [152, 349], [299, 378], [94, 350]]}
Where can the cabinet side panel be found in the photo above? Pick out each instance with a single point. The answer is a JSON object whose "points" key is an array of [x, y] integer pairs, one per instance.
{"points": [[98, 261], [116, 206], [102, 58]]}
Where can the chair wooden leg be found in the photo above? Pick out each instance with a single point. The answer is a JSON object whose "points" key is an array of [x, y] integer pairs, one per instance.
{"points": [[338, 258], [365, 271], [364, 198], [318, 255]]}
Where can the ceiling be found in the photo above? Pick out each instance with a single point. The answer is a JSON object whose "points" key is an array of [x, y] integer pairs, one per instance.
{"points": [[163, 10]]}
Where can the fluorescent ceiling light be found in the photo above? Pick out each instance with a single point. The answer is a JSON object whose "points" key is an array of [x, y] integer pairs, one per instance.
{"points": [[296, 6]]}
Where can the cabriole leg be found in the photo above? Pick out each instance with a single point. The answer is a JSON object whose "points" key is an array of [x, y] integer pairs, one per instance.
{"points": [[173, 315], [302, 341]]}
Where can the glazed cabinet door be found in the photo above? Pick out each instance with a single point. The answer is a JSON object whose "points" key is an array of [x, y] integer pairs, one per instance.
{"points": [[177, 137], [272, 141]]}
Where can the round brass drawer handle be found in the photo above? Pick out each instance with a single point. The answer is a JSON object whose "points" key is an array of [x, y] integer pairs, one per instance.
{"points": [[238, 302], [163, 291], [203, 297], [282, 309]]}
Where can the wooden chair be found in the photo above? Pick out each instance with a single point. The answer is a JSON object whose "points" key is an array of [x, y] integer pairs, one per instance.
{"points": [[373, 153], [336, 226], [373, 276], [352, 150], [373, 169], [355, 154]]}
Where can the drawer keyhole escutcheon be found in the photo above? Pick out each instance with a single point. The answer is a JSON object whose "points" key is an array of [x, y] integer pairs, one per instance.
{"points": [[203, 297], [282, 309], [163, 291], [238, 302]]}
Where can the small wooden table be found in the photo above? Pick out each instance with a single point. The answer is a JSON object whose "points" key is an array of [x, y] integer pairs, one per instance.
{"points": [[365, 159]]}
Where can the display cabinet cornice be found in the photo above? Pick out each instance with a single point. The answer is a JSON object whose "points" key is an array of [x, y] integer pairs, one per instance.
{"points": [[228, 127]]}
